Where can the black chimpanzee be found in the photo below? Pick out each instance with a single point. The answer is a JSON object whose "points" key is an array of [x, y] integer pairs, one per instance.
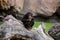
{"points": [[28, 20]]}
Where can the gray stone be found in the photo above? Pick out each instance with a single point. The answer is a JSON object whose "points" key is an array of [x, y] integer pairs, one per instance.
{"points": [[55, 31], [12, 28]]}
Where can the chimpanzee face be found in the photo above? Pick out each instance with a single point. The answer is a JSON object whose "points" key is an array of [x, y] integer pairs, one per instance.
{"points": [[30, 16]]}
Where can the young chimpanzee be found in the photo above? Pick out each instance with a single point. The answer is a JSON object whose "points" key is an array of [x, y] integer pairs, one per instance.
{"points": [[28, 21]]}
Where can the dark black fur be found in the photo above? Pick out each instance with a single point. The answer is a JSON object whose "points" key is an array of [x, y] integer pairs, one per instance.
{"points": [[28, 24]]}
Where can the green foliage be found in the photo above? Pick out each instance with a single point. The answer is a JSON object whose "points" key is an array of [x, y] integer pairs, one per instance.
{"points": [[36, 24], [48, 25]]}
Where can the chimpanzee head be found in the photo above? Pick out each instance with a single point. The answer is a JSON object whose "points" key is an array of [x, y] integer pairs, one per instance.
{"points": [[28, 15]]}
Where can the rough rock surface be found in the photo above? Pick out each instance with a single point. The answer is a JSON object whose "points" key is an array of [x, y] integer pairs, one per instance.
{"points": [[12, 27], [44, 7], [6, 4], [55, 31]]}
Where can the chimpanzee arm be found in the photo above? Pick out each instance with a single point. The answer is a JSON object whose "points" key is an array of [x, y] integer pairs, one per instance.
{"points": [[32, 23]]}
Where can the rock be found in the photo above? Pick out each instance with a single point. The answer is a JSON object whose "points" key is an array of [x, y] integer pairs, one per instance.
{"points": [[44, 7], [41, 7], [1, 18], [14, 29], [12, 26], [58, 2], [41, 30], [11, 7], [55, 31], [6, 4]]}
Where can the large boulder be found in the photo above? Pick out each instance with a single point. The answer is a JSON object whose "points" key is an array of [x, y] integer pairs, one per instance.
{"points": [[55, 31], [14, 29], [44, 7]]}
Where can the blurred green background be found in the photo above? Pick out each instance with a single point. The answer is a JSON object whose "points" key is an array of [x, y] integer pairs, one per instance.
{"points": [[47, 25]]}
